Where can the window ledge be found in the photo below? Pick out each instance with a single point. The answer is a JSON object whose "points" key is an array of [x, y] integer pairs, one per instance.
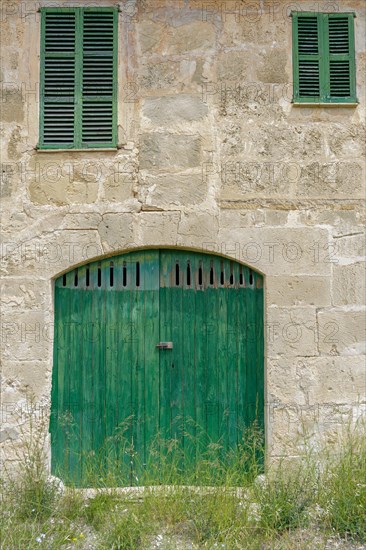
{"points": [[66, 150], [305, 104]]}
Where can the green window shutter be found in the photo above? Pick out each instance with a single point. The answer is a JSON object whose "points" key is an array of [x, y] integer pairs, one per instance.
{"points": [[58, 64], [307, 56], [78, 107], [98, 81], [323, 58], [341, 57]]}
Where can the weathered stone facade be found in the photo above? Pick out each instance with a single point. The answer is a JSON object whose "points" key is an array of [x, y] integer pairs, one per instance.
{"points": [[212, 156]]}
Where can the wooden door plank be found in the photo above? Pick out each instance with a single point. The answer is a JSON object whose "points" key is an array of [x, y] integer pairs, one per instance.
{"points": [[200, 362], [125, 408], [259, 321], [97, 342], [188, 360], [75, 385], [59, 440], [138, 366], [215, 327], [150, 281], [242, 358], [166, 357], [112, 387], [176, 370], [232, 360], [88, 374], [251, 353]]}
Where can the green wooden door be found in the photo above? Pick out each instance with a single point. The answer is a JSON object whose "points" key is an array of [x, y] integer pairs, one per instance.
{"points": [[158, 355]]}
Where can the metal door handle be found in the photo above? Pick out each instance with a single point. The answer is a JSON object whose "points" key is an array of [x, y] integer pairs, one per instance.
{"points": [[165, 345]]}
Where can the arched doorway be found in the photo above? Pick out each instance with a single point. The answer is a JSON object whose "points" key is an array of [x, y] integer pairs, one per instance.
{"points": [[152, 346]]}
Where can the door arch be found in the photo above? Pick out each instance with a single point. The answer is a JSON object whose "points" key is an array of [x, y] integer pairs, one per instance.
{"points": [[153, 345]]}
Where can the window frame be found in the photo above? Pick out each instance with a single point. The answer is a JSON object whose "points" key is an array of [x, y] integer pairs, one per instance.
{"points": [[78, 92], [324, 57]]}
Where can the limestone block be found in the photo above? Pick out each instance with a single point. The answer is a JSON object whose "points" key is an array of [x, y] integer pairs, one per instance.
{"points": [[228, 218], [252, 24], [12, 108], [331, 179], [76, 221], [341, 222], [281, 250], [316, 426], [8, 434], [291, 332], [24, 294], [292, 426], [232, 67], [150, 35], [70, 248], [298, 291], [163, 75], [346, 140], [256, 217], [157, 228], [51, 253], [291, 144], [349, 284], [168, 111], [116, 231], [119, 187], [289, 380], [6, 181], [156, 37], [17, 142], [272, 66], [342, 380], [27, 336], [280, 146], [201, 227], [197, 35], [29, 378], [57, 180], [335, 419], [169, 152], [341, 332], [316, 380], [276, 217], [350, 248], [167, 190]]}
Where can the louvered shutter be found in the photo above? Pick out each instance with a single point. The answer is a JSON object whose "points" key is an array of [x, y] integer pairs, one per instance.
{"points": [[308, 57], [78, 78], [323, 58], [99, 46], [58, 79], [341, 56]]}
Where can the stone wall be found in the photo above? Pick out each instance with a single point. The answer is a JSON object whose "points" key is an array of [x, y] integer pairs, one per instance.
{"points": [[212, 156]]}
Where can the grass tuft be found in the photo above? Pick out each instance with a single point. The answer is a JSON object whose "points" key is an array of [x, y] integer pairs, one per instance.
{"points": [[302, 505]]}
